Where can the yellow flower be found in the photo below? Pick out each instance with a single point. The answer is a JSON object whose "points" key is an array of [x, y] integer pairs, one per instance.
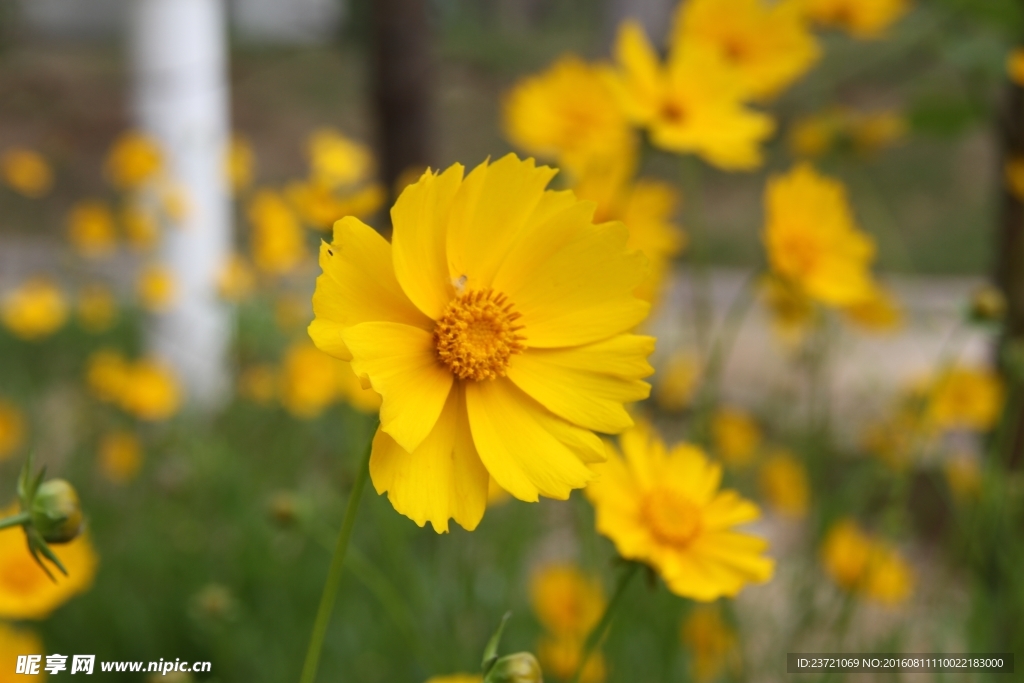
{"points": [[812, 136], [664, 508], [456, 678], [277, 237], [560, 657], [890, 580], [735, 435], [363, 399], [96, 308], [134, 158], [240, 163], [91, 229], [792, 311], [865, 19], [156, 288], [320, 206], [150, 391], [120, 456], [875, 131], [567, 114], [784, 484], [767, 43], [812, 239], [565, 600], [1013, 176], [141, 228], [12, 429], [34, 310], [236, 279], [693, 104], [26, 592], [335, 160], [309, 380], [860, 563], [498, 352], [965, 398], [963, 476], [258, 383], [26, 172], [106, 374], [880, 312], [676, 386], [711, 642], [14, 643]]}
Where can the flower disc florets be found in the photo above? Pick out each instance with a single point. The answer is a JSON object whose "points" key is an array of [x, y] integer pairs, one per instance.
{"points": [[476, 336], [671, 518]]}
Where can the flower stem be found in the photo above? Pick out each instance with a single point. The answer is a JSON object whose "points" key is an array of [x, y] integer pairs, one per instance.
{"points": [[597, 635], [330, 594], [14, 520]]}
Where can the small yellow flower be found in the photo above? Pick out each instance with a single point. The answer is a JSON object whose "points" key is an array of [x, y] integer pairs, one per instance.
{"points": [[14, 643], [864, 19], [812, 239], [566, 601], [784, 484], [258, 383], [692, 104], [813, 135], [677, 384], [711, 642], [12, 429], [664, 508], [120, 456], [134, 159], [560, 657], [1013, 176], [278, 244], [96, 308], [141, 227], [320, 205], [768, 44], [151, 391], [456, 678], [792, 312], [890, 580], [965, 398], [106, 374], [735, 435], [335, 160], [34, 310], [860, 563], [872, 132], [156, 288], [880, 312], [309, 380], [26, 592], [236, 279], [963, 476], [27, 172], [240, 163], [91, 229]]}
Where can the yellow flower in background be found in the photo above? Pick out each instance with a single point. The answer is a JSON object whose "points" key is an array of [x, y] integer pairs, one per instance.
{"points": [[963, 476], [363, 399], [792, 312], [812, 136], [1015, 65], [258, 383], [35, 310], [141, 227], [567, 114], [676, 386], [120, 456], [768, 44], [711, 642], [897, 439], [965, 398], [890, 580], [335, 160], [174, 201], [1013, 176], [26, 592], [865, 19], [565, 600], [498, 353], [866, 132], [106, 372], [784, 484], [150, 391], [874, 131], [26, 171], [456, 678], [320, 205], [14, 643], [134, 159], [880, 312], [664, 508], [693, 104], [861, 563], [12, 429], [236, 279], [91, 229], [309, 380], [812, 239], [560, 657], [735, 435], [96, 308], [278, 242], [156, 288], [240, 163]]}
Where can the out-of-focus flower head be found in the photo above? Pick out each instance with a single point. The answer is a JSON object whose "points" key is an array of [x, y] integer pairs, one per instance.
{"points": [[151, 392], [710, 641], [863, 564], [278, 245], [560, 657], [565, 600], [91, 229], [236, 279], [768, 44], [879, 313], [664, 508], [174, 201], [320, 205], [34, 310], [156, 288], [814, 135], [120, 456], [106, 373], [26, 171], [864, 19], [308, 380], [735, 435], [784, 484], [134, 159], [258, 383], [988, 304], [240, 163], [15, 643], [336, 160], [963, 476], [96, 308], [141, 226], [872, 132], [12, 429], [965, 398], [899, 438], [675, 389], [865, 132], [792, 311]]}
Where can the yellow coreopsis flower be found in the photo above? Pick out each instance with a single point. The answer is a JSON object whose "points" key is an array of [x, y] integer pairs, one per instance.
{"points": [[865, 19], [664, 508], [735, 435], [14, 643], [150, 391], [498, 350], [106, 373], [26, 172], [96, 308], [91, 229], [565, 600], [335, 160], [141, 227], [784, 484], [236, 279], [239, 163], [965, 398], [156, 288], [309, 380], [34, 310], [560, 657], [26, 592], [767, 43], [711, 642], [134, 159], [692, 104], [12, 429], [120, 456], [277, 239], [568, 114], [813, 241], [880, 312], [792, 311], [861, 563]]}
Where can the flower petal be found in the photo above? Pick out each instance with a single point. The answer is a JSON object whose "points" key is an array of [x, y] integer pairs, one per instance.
{"points": [[639, 84]]}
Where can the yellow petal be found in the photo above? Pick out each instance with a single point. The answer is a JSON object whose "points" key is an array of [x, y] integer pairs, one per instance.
{"points": [[728, 509], [640, 89], [401, 365]]}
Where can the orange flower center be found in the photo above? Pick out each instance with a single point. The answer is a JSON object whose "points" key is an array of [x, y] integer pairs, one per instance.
{"points": [[476, 336], [673, 112], [671, 517], [736, 50]]}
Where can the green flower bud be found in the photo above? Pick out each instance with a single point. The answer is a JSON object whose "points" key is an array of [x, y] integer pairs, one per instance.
{"points": [[521, 667], [56, 513]]}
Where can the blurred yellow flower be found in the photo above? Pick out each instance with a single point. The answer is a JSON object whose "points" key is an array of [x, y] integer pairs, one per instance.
{"points": [[236, 279], [1015, 65], [567, 114], [12, 429], [812, 136], [456, 678], [26, 171], [498, 353], [91, 229], [258, 383], [874, 131], [141, 227], [278, 244], [35, 310], [676, 385], [865, 19], [735, 435], [14, 643], [897, 439], [812, 239], [26, 592], [335, 160], [1013, 176], [560, 657], [963, 476], [96, 308], [106, 374], [890, 580], [664, 508], [240, 163], [867, 132], [784, 484], [309, 380], [134, 159], [768, 44], [120, 456], [860, 563], [156, 288], [320, 205], [880, 312], [965, 398], [692, 104], [792, 312], [711, 642], [150, 391], [566, 601]]}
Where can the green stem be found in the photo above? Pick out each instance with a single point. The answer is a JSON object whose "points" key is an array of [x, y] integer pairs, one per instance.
{"points": [[330, 594], [15, 520], [597, 635]]}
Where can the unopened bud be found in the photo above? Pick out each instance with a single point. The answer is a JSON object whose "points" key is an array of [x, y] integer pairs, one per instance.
{"points": [[56, 512], [988, 304], [521, 667]]}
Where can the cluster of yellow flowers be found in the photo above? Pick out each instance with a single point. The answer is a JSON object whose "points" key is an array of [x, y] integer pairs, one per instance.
{"points": [[867, 132], [38, 308], [864, 564], [144, 388]]}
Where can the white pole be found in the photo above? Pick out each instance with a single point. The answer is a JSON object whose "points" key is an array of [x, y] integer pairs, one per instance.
{"points": [[181, 99]]}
